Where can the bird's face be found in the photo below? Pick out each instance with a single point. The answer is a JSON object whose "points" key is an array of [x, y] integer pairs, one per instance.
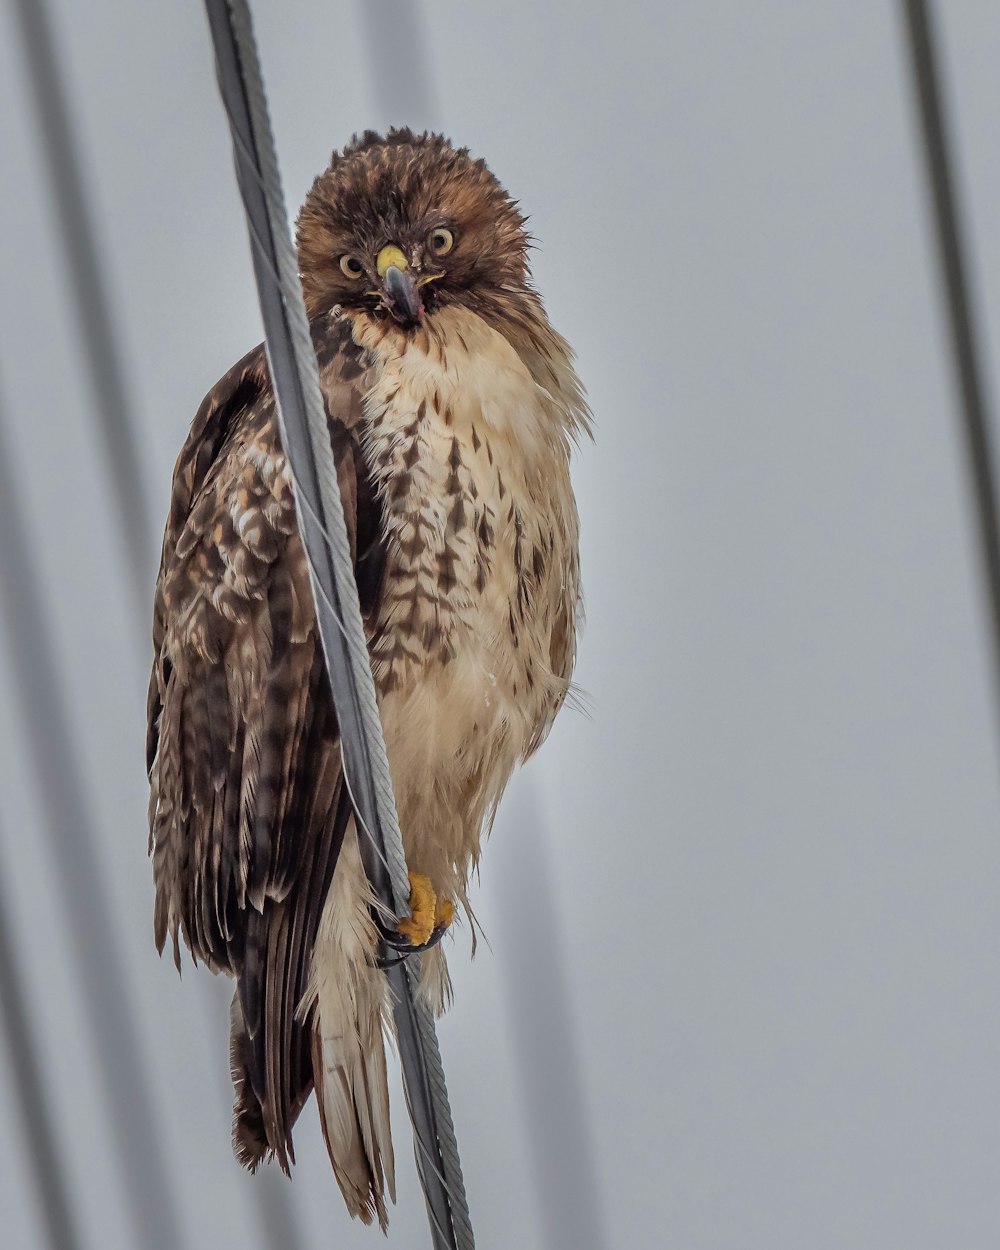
{"points": [[402, 225]]}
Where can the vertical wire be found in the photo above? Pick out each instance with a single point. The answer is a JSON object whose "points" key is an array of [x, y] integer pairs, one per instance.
{"points": [[75, 847], [40, 1134], [550, 1071], [561, 1143], [951, 254], [399, 64], [91, 299], [320, 518], [115, 418]]}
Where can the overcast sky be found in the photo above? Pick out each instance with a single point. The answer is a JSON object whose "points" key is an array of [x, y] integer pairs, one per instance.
{"points": [[751, 892]]}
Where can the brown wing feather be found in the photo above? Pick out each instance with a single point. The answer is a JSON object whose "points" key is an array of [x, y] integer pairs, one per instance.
{"points": [[248, 807]]}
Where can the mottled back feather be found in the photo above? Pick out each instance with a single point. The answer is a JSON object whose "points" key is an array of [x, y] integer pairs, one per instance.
{"points": [[248, 808]]}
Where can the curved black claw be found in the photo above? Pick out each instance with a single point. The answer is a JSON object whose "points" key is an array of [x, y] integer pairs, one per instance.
{"points": [[395, 940]]}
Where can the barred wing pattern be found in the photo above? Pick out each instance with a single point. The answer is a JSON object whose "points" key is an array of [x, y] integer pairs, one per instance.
{"points": [[248, 806]]}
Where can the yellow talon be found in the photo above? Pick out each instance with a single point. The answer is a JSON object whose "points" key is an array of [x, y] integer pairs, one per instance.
{"points": [[427, 911], [419, 925]]}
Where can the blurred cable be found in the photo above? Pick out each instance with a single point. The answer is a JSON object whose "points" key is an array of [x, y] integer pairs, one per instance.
{"points": [[75, 851], [544, 1033], [549, 1068], [91, 299], [278, 1224], [39, 1124], [976, 418], [394, 36], [550, 1073], [116, 419]]}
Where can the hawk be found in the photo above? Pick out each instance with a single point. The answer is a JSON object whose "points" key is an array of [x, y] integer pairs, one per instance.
{"points": [[452, 406]]}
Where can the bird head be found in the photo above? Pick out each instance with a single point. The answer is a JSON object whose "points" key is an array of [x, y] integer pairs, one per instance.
{"points": [[403, 224]]}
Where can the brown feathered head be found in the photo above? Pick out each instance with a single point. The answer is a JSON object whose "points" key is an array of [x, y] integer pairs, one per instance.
{"points": [[402, 224]]}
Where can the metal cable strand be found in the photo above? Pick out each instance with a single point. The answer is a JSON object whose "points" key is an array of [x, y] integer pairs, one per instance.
{"points": [[442, 1107], [286, 263], [319, 511], [975, 412]]}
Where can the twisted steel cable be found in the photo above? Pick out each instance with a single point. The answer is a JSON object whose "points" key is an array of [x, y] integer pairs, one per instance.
{"points": [[319, 510]]}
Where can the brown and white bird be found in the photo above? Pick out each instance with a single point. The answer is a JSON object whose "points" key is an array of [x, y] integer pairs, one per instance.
{"points": [[452, 406]]}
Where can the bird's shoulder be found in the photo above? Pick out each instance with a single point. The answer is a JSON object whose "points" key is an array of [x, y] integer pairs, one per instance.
{"points": [[231, 505]]}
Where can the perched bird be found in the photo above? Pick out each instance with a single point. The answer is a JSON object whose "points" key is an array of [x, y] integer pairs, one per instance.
{"points": [[452, 406]]}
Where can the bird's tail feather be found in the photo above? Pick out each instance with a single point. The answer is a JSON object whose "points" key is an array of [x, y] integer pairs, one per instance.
{"points": [[347, 1001], [249, 1131]]}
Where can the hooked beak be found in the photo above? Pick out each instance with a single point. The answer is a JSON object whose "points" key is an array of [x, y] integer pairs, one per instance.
{"points": [[400, 292]]}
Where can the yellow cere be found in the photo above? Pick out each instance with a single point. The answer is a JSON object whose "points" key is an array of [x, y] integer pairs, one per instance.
{"points": [[390, 255]]}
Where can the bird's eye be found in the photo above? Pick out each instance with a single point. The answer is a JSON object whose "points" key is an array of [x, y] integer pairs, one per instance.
{"points": [[351, 266], [441, 241]]}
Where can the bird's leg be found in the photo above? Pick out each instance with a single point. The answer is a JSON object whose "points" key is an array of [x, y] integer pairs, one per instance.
{"points": [[419, 925], [427, 911]]}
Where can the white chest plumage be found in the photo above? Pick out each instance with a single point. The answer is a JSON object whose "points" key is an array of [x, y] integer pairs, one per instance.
{"points": [[481, 567]]}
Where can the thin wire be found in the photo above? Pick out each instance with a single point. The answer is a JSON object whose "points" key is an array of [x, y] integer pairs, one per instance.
{"points": [[90, 294], [305, 438], [546, 1042], [71, 830], [976, 419], [541, 1016], [114, 411], [399, 65], [29, 1091]]}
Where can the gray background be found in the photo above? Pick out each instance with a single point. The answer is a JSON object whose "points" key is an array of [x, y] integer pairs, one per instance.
{"points": [[769, 850]]}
